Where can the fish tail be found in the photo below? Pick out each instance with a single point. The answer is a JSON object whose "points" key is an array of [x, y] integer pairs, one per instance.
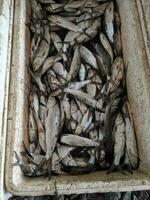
{"points": [[17, 158], [49, 168], [43, 161]]}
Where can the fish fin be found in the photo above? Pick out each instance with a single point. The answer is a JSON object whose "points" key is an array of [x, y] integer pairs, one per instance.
{"points": [[43, 161], [49, 168], [115, 168], [23, 153], [128, 167], [17, 163], [26, 150]]}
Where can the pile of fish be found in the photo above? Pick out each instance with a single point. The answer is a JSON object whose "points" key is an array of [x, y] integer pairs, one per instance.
{"points": [[79, 115]]}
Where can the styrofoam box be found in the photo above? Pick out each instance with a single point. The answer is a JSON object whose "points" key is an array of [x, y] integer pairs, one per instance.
{"points": [[138, 88]]}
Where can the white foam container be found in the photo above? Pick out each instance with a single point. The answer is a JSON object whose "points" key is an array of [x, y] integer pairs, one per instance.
{"points": [[138, 87]]}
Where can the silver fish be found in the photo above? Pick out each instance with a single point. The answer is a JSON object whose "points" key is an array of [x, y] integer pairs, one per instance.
{"points": [[42, 108], [131, 143], [53, 81], [66, 106], [63, 151], [91, 29], [69, 161], [55, 7], [32, 128], [62, 120], [109, 21], [63, 22], [41, 132], [57, 41], [91, 90], [34, 99], [85, 98], [75, 65], [37, 149], [88, 57], [77, 141], [60, 70], [107, 46], [83, 108], [56, 165], [78, 85], [119, 139], [97, 11], [37, 12], [117, 74], [85, 123], [49, 62], [75, 112], [90, 32], [34, 45], [32, 147], [103, 60], [117, 36], [52, 126], [42, 51], [75, 4], [93, 134], [73, 124], [82, 72]]}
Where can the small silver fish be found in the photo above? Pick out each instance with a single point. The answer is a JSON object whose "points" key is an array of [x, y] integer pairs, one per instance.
{"points": [[34, 45], [78, 85], [88, 57], [85, 98], [60, 70], [66, 106], [117, 74], [42, 108], [42, 50], [57, 41], [55, 7], [77, 141], [63, 22], [85, 123], [52, 126], [82, 72], [32, 128], [91, 90], [131, 143], [75, 112], [117, 36], [41, 132], [109, 21], [119, 139], [91, 29], [63, 151], [107, 46], [75, 65], [37, 12]]}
